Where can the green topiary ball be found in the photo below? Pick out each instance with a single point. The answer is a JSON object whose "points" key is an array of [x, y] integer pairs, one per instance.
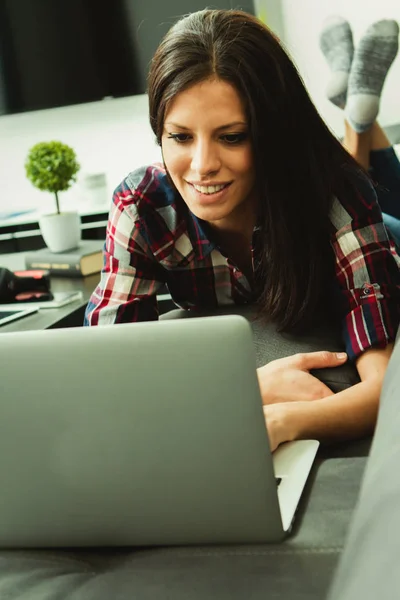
{"points": [[52, 166]]}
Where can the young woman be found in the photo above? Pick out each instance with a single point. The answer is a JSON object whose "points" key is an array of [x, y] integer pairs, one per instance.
{"points": [[256, 202]]}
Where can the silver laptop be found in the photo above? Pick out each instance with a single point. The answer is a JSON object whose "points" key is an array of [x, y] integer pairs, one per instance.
{"points": [[141, 434]]}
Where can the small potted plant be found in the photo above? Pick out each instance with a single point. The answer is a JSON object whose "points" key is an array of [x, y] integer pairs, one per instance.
{"points": [[52, 167]]}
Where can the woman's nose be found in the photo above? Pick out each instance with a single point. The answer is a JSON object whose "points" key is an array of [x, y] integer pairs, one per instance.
{"points": [[205, 158]]}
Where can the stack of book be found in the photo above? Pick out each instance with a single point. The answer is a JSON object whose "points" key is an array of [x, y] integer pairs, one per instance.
{"points": [[84, 260]]}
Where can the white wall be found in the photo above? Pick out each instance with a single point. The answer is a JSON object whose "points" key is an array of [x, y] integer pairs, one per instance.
{"points": [[302, 23], [112, 136]]}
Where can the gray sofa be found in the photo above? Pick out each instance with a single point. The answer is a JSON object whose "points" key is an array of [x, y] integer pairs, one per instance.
{"points": [[369, 565], [301, 568]]}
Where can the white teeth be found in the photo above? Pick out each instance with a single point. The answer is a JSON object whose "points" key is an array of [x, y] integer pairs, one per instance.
{"points": [[209, 189]]}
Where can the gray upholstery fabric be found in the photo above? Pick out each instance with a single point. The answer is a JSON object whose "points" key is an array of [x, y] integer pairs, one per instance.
{"points": [[301, 568], [369, 567]]}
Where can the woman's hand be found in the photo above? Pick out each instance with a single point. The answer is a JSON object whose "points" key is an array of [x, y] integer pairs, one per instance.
{"points": [[347, 415], [289, 379]]}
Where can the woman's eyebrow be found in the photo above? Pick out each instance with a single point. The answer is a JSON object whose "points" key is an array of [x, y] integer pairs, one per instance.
{"points": [[221, 128]]}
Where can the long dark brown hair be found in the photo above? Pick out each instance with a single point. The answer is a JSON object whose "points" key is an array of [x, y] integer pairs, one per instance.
{"points": [[299, 164]]}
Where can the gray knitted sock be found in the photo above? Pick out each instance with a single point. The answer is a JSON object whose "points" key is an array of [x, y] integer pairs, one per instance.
{"points": [[336, 43], [372, 60]]}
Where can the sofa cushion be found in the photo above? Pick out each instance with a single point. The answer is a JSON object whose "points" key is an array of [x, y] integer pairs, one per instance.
{"points": [[369, 567], [301, 568]]}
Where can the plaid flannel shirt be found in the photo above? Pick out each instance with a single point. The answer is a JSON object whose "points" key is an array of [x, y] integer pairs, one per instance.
{"points": [[153, 240]]}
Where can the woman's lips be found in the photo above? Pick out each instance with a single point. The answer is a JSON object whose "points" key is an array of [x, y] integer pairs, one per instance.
{"points": [[213, 197]]}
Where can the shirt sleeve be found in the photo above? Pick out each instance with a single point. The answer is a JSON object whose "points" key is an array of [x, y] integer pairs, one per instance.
{"points": [[131, 276], [367, 272]]}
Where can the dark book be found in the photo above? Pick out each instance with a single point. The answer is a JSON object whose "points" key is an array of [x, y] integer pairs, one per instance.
{"points": [[86, 259]]}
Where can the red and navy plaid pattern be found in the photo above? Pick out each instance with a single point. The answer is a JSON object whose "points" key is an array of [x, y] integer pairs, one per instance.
{"points": [[153, 240]]}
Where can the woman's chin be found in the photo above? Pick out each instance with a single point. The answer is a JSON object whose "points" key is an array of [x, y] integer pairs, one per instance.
{"points": [[209, 213]]}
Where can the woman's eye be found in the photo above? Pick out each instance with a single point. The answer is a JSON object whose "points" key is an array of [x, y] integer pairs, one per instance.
{"points": [[181, 138], [234, 138], [228, 138]]}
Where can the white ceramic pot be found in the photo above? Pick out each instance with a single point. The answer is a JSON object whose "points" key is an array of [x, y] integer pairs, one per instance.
{"points": [[61, 231]]}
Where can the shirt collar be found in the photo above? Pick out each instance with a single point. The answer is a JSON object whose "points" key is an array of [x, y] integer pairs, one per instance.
{"points": [[201, 234]]}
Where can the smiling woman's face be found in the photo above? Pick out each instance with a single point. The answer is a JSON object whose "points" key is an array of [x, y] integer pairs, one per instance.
{"points": [[207, 152]]}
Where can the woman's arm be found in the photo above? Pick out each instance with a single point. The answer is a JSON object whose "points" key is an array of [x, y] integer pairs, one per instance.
{"points": [[131, 276], [346, 415]]}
